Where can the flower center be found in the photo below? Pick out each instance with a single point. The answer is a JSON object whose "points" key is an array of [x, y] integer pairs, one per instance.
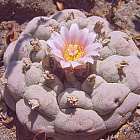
{"points": [[73, 52]]}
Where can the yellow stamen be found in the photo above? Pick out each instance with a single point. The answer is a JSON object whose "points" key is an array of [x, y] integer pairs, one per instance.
{"points": [[73, 52]]}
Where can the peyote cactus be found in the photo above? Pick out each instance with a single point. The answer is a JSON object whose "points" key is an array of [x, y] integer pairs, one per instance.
{"points": [[72, 77]]}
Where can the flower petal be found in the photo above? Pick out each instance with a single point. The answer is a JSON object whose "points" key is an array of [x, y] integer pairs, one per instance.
{"points": [[93, 47], [65, 33], [57, 53], [58, 59], [93, 53], [58, 40], [65, 64], [86, 59], [51, 44], [91, 37], [75, 63], [73, 33], [84, 36], [58, 44]]}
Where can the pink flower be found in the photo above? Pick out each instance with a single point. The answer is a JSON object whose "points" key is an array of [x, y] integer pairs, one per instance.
{"points": [[74, 47]]}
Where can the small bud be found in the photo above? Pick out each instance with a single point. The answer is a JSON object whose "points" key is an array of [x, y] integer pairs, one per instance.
{"points": [[48, 76], [72, 100], [33, 103], [91, 78], [120, 67], [26, 64], [35, 45]]}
